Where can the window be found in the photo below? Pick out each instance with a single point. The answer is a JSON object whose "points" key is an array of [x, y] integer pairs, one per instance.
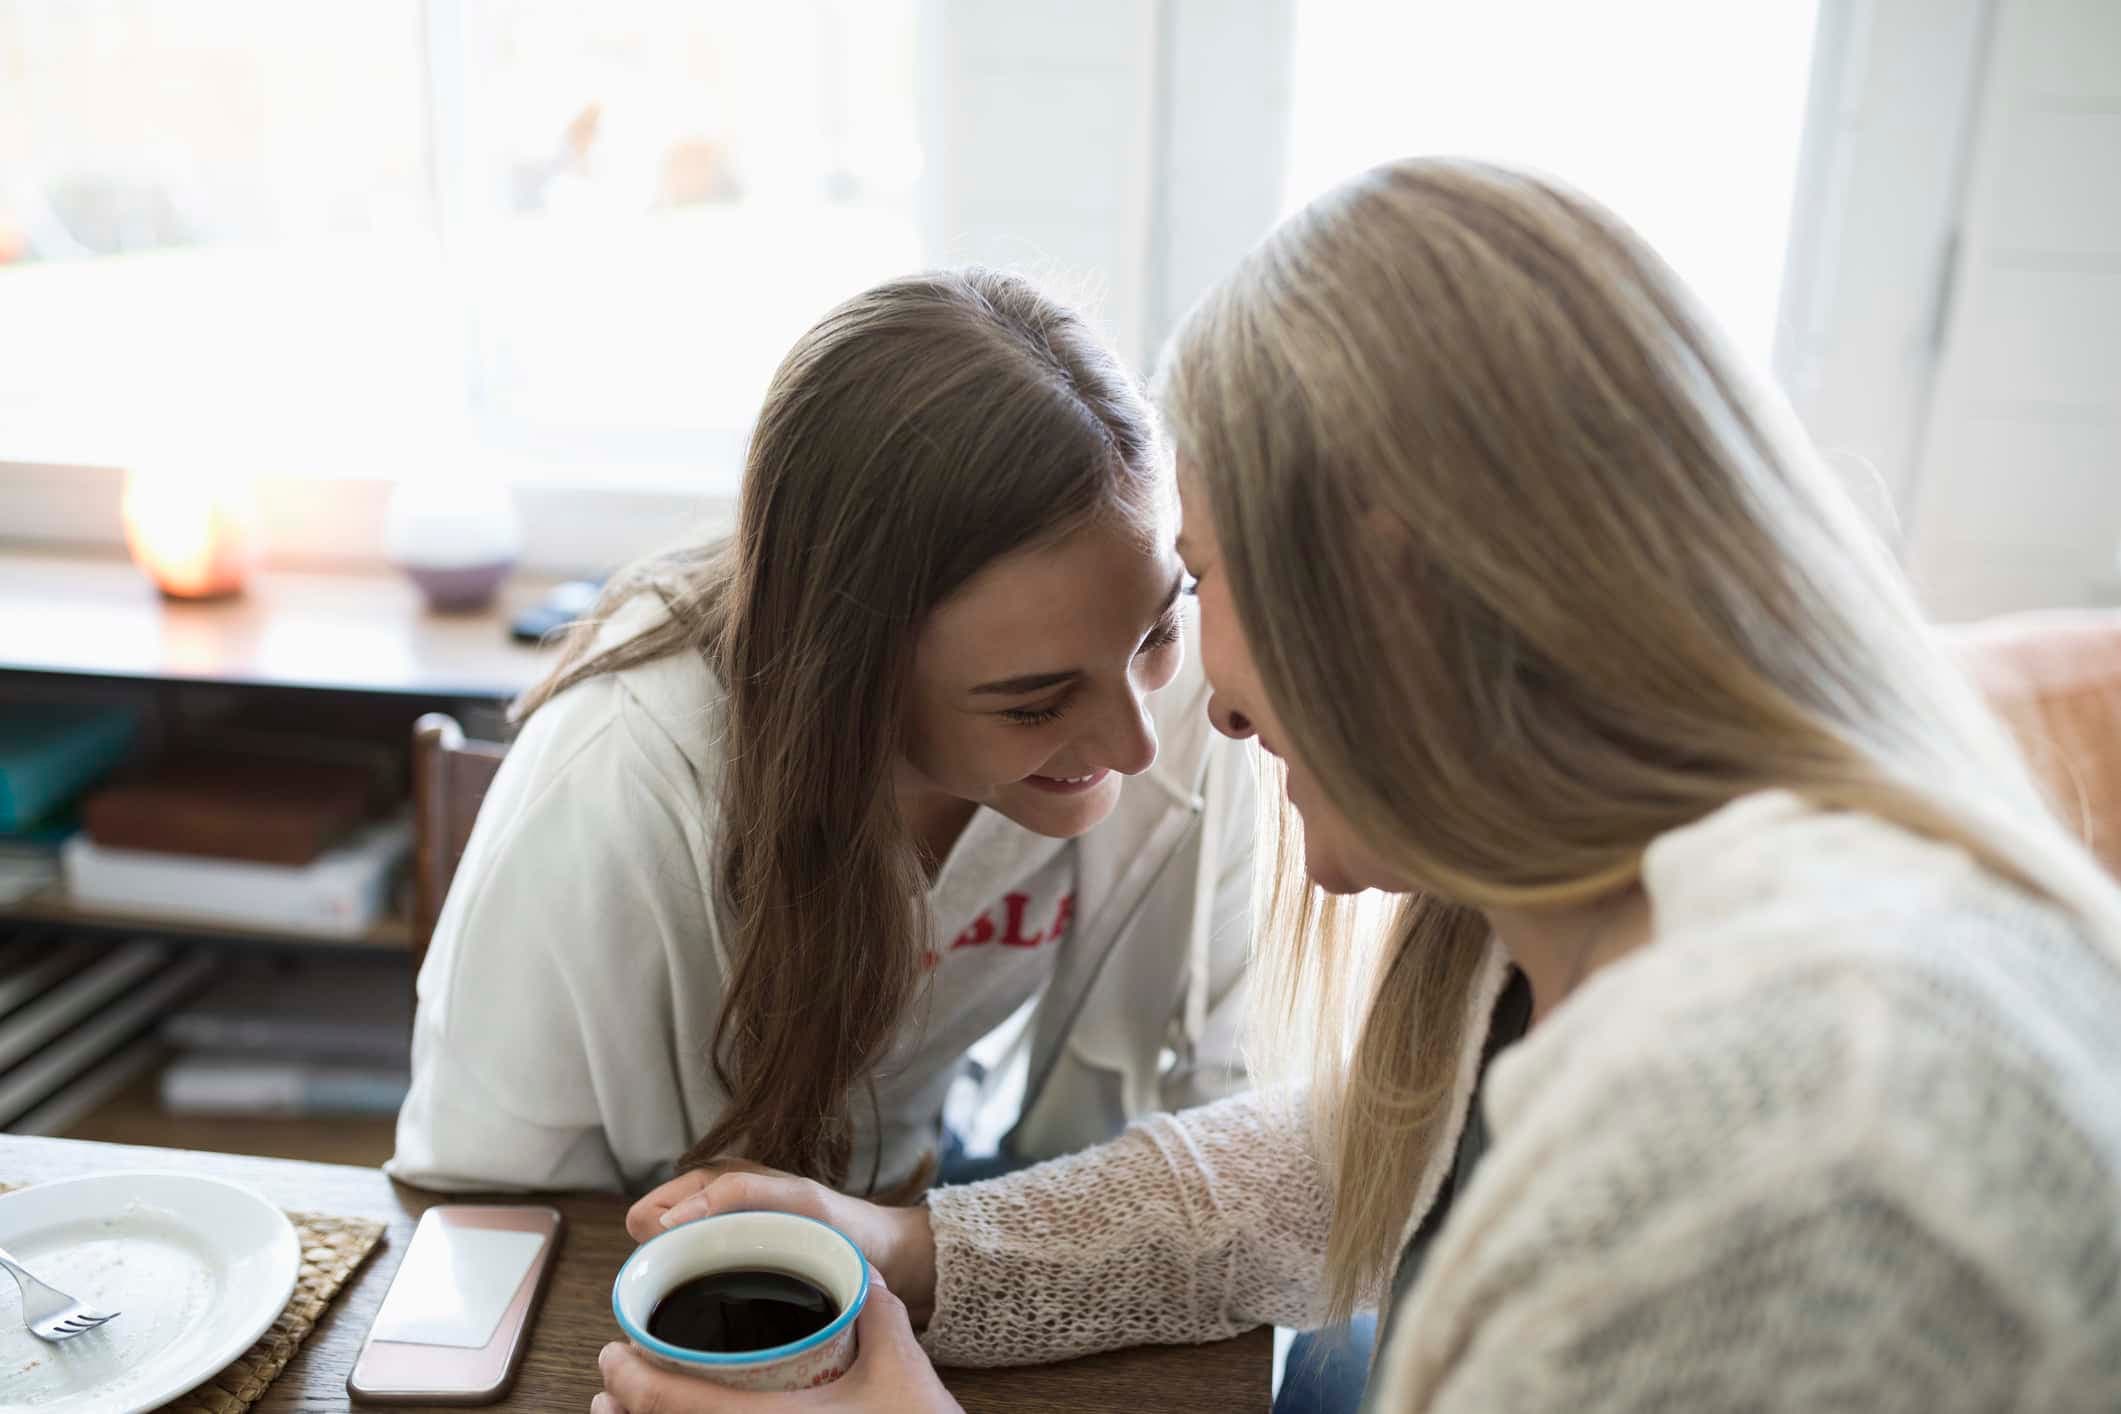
{"points": [[1683, 117], [345, 239], [334, 235], [655, 201], [211, 213]]}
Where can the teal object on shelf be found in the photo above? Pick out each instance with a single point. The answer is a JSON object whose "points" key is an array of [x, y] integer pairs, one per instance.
{"points": [[51, 752]]}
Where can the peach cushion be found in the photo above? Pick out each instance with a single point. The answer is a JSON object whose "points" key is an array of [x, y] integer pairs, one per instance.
{"points": [[2055, 678]]}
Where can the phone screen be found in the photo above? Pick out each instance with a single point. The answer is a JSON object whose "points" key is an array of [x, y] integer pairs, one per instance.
{"points": [[455, 1285]]}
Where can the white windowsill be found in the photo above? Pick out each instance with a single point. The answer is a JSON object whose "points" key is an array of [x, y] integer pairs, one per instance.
{"points": [[574, 521]]}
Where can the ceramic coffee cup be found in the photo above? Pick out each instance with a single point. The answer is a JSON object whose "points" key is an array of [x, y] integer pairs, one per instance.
{"points": [[726, 1242]]}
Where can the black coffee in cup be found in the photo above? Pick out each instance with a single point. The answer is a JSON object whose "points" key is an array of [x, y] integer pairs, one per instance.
{"points": [[730, 1312]]}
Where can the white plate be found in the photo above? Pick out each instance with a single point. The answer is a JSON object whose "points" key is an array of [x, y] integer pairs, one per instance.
{"points": [[196, 1268]]}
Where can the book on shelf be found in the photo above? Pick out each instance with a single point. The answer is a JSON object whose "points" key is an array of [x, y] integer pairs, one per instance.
{"points": [[50, 752], [241, 1085], [343, 893], [353, 1010], [225, 805], [26, 869]]}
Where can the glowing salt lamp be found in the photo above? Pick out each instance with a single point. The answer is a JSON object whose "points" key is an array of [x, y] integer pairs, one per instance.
{"points": [[190, 532]]}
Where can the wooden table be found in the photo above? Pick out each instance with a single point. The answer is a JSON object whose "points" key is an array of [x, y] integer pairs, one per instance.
{"points": [[559, 1372]]}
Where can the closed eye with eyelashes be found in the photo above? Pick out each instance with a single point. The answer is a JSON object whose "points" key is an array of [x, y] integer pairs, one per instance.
{"points": [[1168, 631]]}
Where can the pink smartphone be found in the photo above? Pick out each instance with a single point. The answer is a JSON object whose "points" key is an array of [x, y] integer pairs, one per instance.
{"points": [[454, 1324]]}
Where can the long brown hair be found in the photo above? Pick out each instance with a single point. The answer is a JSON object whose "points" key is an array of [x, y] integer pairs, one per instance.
{"points": [[920, 431], [1586, 582]]}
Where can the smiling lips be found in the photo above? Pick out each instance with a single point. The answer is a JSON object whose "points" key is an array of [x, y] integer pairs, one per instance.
{"points": [[1066, 785]]}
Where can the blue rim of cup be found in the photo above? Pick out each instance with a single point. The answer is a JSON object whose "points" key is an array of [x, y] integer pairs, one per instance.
{"points": [[743, 1357]]}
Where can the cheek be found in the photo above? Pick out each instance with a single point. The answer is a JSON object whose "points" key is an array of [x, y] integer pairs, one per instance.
{"points": [[1222, 650], [988, 755], [1334, 853], [962, 754]]}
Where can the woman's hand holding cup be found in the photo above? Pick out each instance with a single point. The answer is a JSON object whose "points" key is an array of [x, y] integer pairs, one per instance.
{"points": [[899, 1241], [891, 1373]]}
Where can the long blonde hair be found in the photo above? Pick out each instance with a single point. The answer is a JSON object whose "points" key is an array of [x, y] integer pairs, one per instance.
{"points": [[1585, 583], [919, 432]]}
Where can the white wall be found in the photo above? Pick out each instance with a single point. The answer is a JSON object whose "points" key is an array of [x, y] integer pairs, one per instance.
{"points": [[1888, 124], [1129, 151], [1224, 135], [2017, 502], [1039, 139]]}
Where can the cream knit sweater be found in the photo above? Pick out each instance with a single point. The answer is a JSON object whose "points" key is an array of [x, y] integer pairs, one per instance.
{"points": [[1846, 1135]]}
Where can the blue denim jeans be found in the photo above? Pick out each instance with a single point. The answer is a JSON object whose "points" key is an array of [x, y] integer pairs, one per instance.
{"points": [[1327, 1369], [953, 1165]]}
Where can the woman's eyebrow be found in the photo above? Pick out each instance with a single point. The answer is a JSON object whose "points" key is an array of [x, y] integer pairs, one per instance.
{"points": [[1028, 682]]}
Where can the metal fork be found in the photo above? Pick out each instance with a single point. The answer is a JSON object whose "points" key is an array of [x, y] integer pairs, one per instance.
{"points": [[49, 1312]]}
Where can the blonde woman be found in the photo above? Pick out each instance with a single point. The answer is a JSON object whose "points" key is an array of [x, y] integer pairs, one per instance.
{"points": [[812, 812], [1565, 636]]}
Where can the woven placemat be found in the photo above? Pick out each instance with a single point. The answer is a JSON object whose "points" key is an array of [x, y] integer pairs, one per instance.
{"points": [[332, 1250]]}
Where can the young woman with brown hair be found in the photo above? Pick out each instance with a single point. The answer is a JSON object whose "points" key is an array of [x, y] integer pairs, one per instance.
{"points": [[1745, 1037], [810, 811]]}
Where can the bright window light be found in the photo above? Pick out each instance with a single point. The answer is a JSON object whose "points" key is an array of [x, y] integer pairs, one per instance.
{"points": [[1682, 116], [322, 239]]}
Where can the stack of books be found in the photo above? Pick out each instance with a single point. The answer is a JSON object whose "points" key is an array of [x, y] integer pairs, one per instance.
{"points": [[295, 1036], [255, 839]]}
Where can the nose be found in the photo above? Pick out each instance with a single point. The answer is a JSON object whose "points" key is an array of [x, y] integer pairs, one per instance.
{"points": [[1228, 720], [1126, 738]]}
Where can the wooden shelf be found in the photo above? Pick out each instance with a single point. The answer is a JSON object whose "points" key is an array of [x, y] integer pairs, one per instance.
{"points": [[95, 622], [50, 905]]}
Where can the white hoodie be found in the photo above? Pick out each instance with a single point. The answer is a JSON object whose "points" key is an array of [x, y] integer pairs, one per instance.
{"points": [[569, 999]]}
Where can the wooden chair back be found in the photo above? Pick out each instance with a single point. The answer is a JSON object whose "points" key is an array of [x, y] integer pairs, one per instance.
{"points": [[450, 776]]}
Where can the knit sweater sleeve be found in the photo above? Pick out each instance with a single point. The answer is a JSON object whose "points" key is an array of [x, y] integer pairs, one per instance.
{"points": [[1840, 1189], [1188, 1227]]}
